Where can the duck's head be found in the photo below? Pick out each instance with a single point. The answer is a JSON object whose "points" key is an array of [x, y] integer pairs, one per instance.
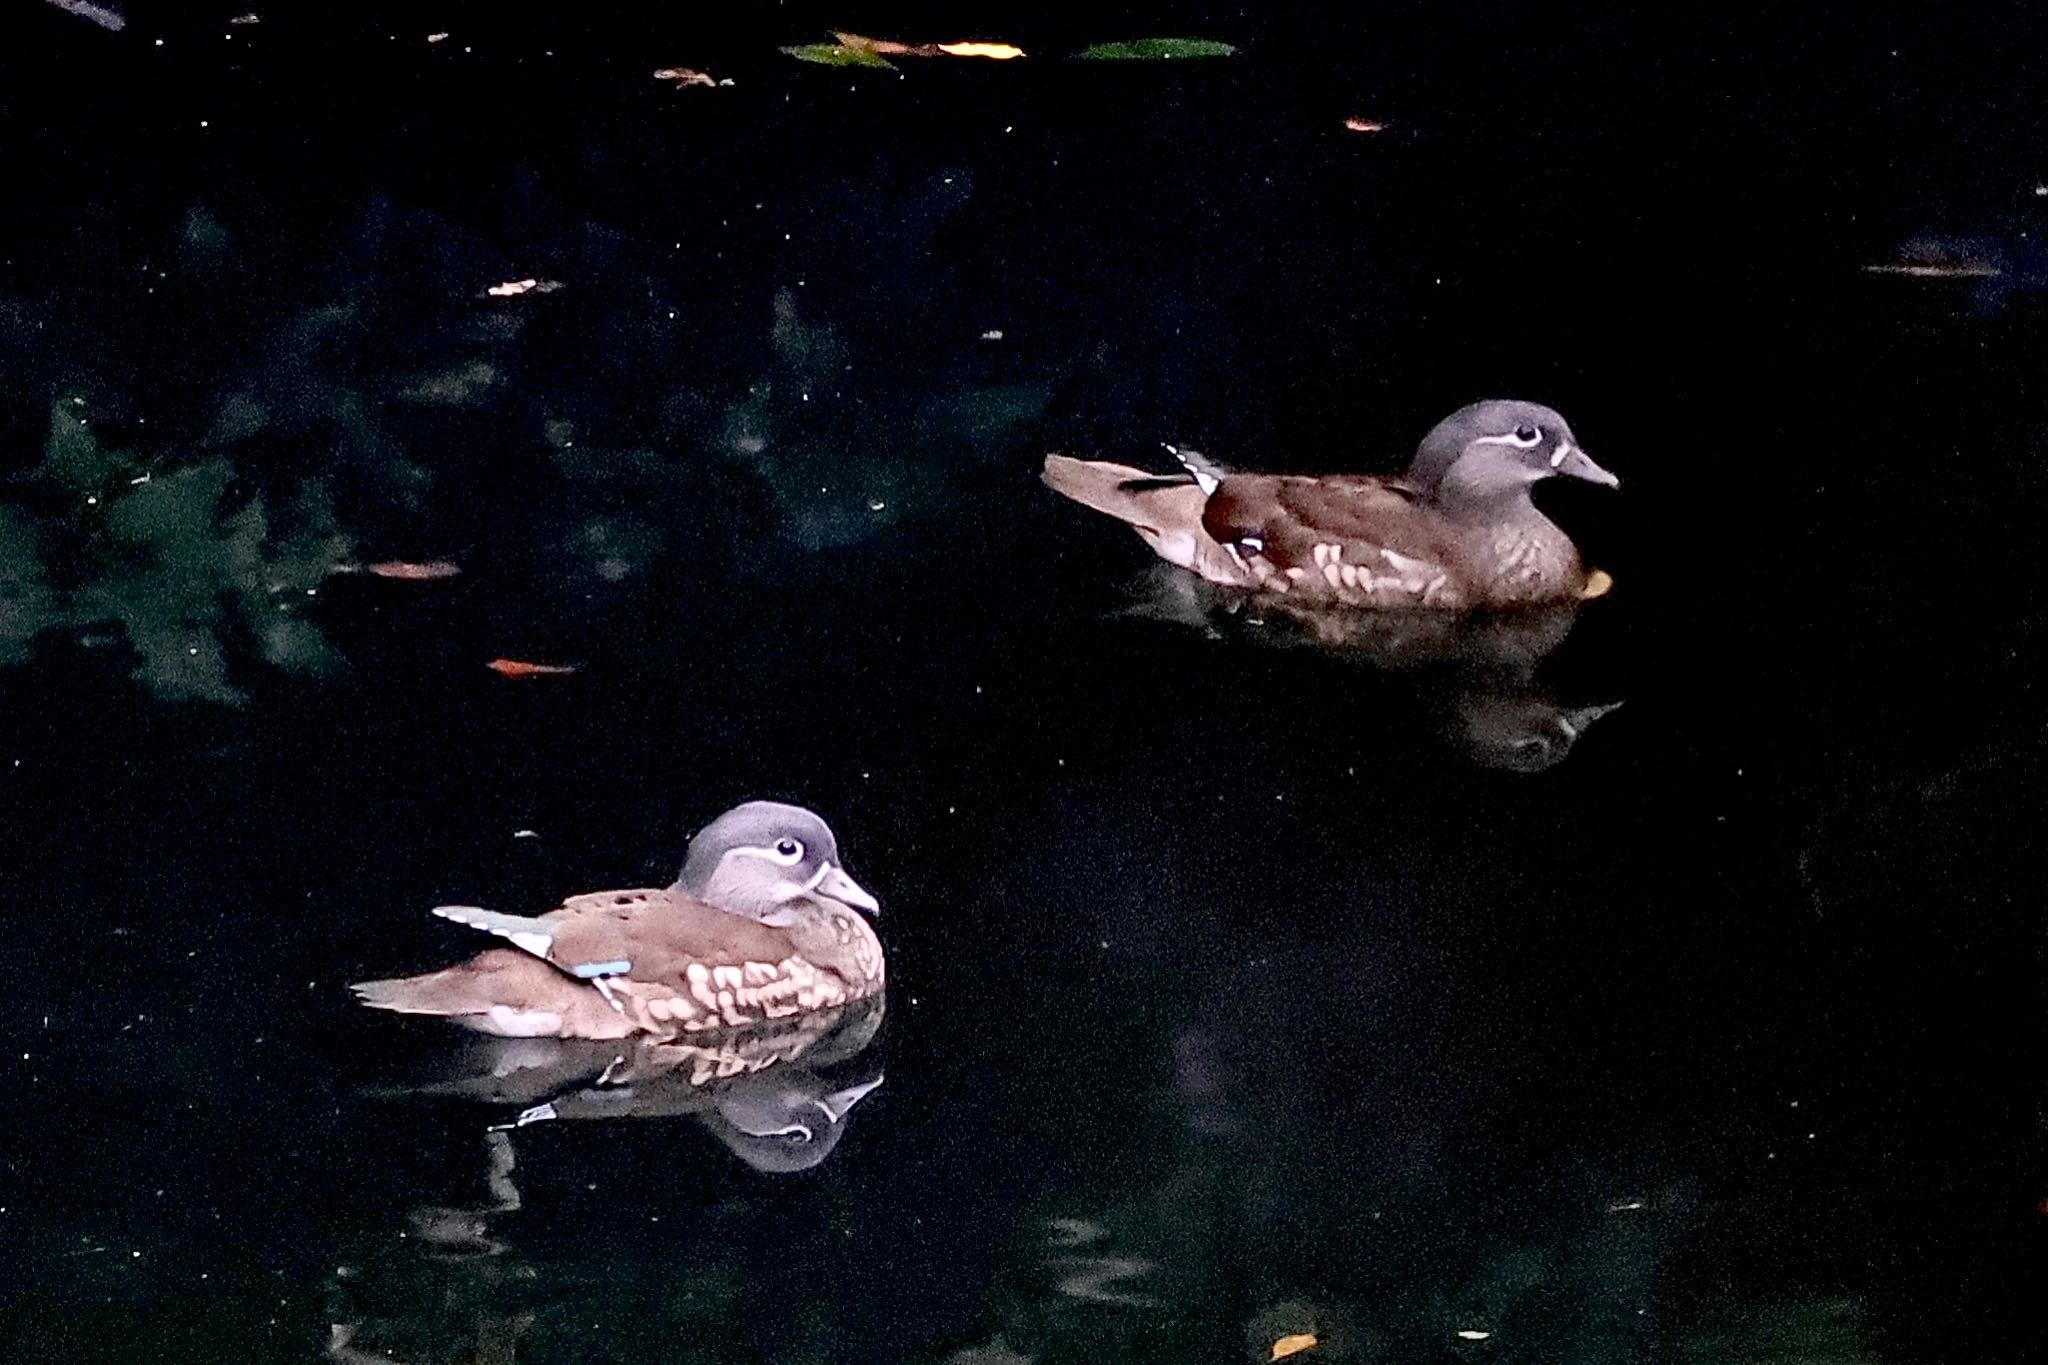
{"points": [[1486, 450], [761, 858]]}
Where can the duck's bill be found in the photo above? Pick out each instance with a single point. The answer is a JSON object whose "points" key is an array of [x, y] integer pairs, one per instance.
{"points": [[1574, 463], [839, 1103], [844, 889]]}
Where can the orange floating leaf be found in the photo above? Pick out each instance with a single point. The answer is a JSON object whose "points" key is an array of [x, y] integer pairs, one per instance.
{"points": [[412, 572], [1364, 125], [1293, 1345], [995, 52], [520, 668]]}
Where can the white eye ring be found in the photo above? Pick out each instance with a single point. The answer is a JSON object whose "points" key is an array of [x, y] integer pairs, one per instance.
{"points": [[1515, 438], [784, 852]]}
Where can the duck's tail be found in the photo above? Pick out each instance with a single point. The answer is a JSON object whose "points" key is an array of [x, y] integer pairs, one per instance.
{"points": [[1164, 509]]}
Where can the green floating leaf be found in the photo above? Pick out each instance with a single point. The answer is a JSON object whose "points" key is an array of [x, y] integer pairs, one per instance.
{"points": [[838, 54], [1156, 49]]}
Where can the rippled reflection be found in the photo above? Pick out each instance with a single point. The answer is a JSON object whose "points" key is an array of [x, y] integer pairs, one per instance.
{"points": [[1477, 673]]}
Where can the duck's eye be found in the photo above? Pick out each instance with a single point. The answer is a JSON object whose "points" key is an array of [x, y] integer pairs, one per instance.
{"points": [[788, 850], [1527, 435]]}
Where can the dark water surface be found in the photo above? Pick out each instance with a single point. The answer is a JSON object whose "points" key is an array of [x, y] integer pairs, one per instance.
{"points": [[1238, 991]]}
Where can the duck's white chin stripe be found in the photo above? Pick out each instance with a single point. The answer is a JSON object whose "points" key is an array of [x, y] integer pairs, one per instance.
{"points": [[1561, 454]]}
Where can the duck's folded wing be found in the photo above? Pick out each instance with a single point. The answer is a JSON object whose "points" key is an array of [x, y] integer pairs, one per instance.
{"points": [[1164, 509], [657, 933], [1353, 538]]}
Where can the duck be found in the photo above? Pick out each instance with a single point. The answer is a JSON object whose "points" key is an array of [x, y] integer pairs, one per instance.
{"points": [[1458, 532], [762, 924]]}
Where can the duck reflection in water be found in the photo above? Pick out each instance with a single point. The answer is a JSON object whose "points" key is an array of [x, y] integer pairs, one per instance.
{"points": [[1479, 671], [777, 1096]]}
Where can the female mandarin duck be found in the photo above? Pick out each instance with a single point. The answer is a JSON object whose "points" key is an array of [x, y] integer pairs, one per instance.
{"points": [[1457, 532], [760, 926]]}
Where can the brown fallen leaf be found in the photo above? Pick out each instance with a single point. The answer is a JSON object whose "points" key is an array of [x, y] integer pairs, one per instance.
{"points": [[1292, 1345], [520, 668], [888, 47], [685, 76], [1364, 125], [1598, 583], [420, 572]]}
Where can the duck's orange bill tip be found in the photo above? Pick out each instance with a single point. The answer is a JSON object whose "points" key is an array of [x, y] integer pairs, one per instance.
{"points": [[411, 572], [1598, 584], [995, 52], [1293, 1345], [520, 668]]}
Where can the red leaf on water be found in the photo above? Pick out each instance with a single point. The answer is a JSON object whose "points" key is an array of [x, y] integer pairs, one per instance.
{"points": [[413, 572], [520, 668]]}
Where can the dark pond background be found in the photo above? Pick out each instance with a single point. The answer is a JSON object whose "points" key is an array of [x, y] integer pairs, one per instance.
{"points": [[1238, 991]]}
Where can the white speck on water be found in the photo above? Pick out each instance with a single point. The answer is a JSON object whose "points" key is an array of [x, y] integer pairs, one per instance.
{"points": [[92, 502], [1472, 1334], [876, 504], [992, 334], [2041, 191]]}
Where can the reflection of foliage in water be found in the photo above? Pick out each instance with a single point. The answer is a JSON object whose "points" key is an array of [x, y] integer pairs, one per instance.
{"points": [[171, 557], [1788, 1332]]}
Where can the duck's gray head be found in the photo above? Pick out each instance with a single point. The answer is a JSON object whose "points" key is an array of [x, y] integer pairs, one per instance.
{"points": [[1485, 450], [790, 1124], [761, 858]]}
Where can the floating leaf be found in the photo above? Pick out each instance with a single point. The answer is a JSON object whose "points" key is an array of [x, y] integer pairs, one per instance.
{"points": [[1937, 270], [838, 54], [413, 572], [1598, 584], [520, 668], [1293, 1345], [995, 52], [512, 289], [1155, 50], [683, 76]]}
